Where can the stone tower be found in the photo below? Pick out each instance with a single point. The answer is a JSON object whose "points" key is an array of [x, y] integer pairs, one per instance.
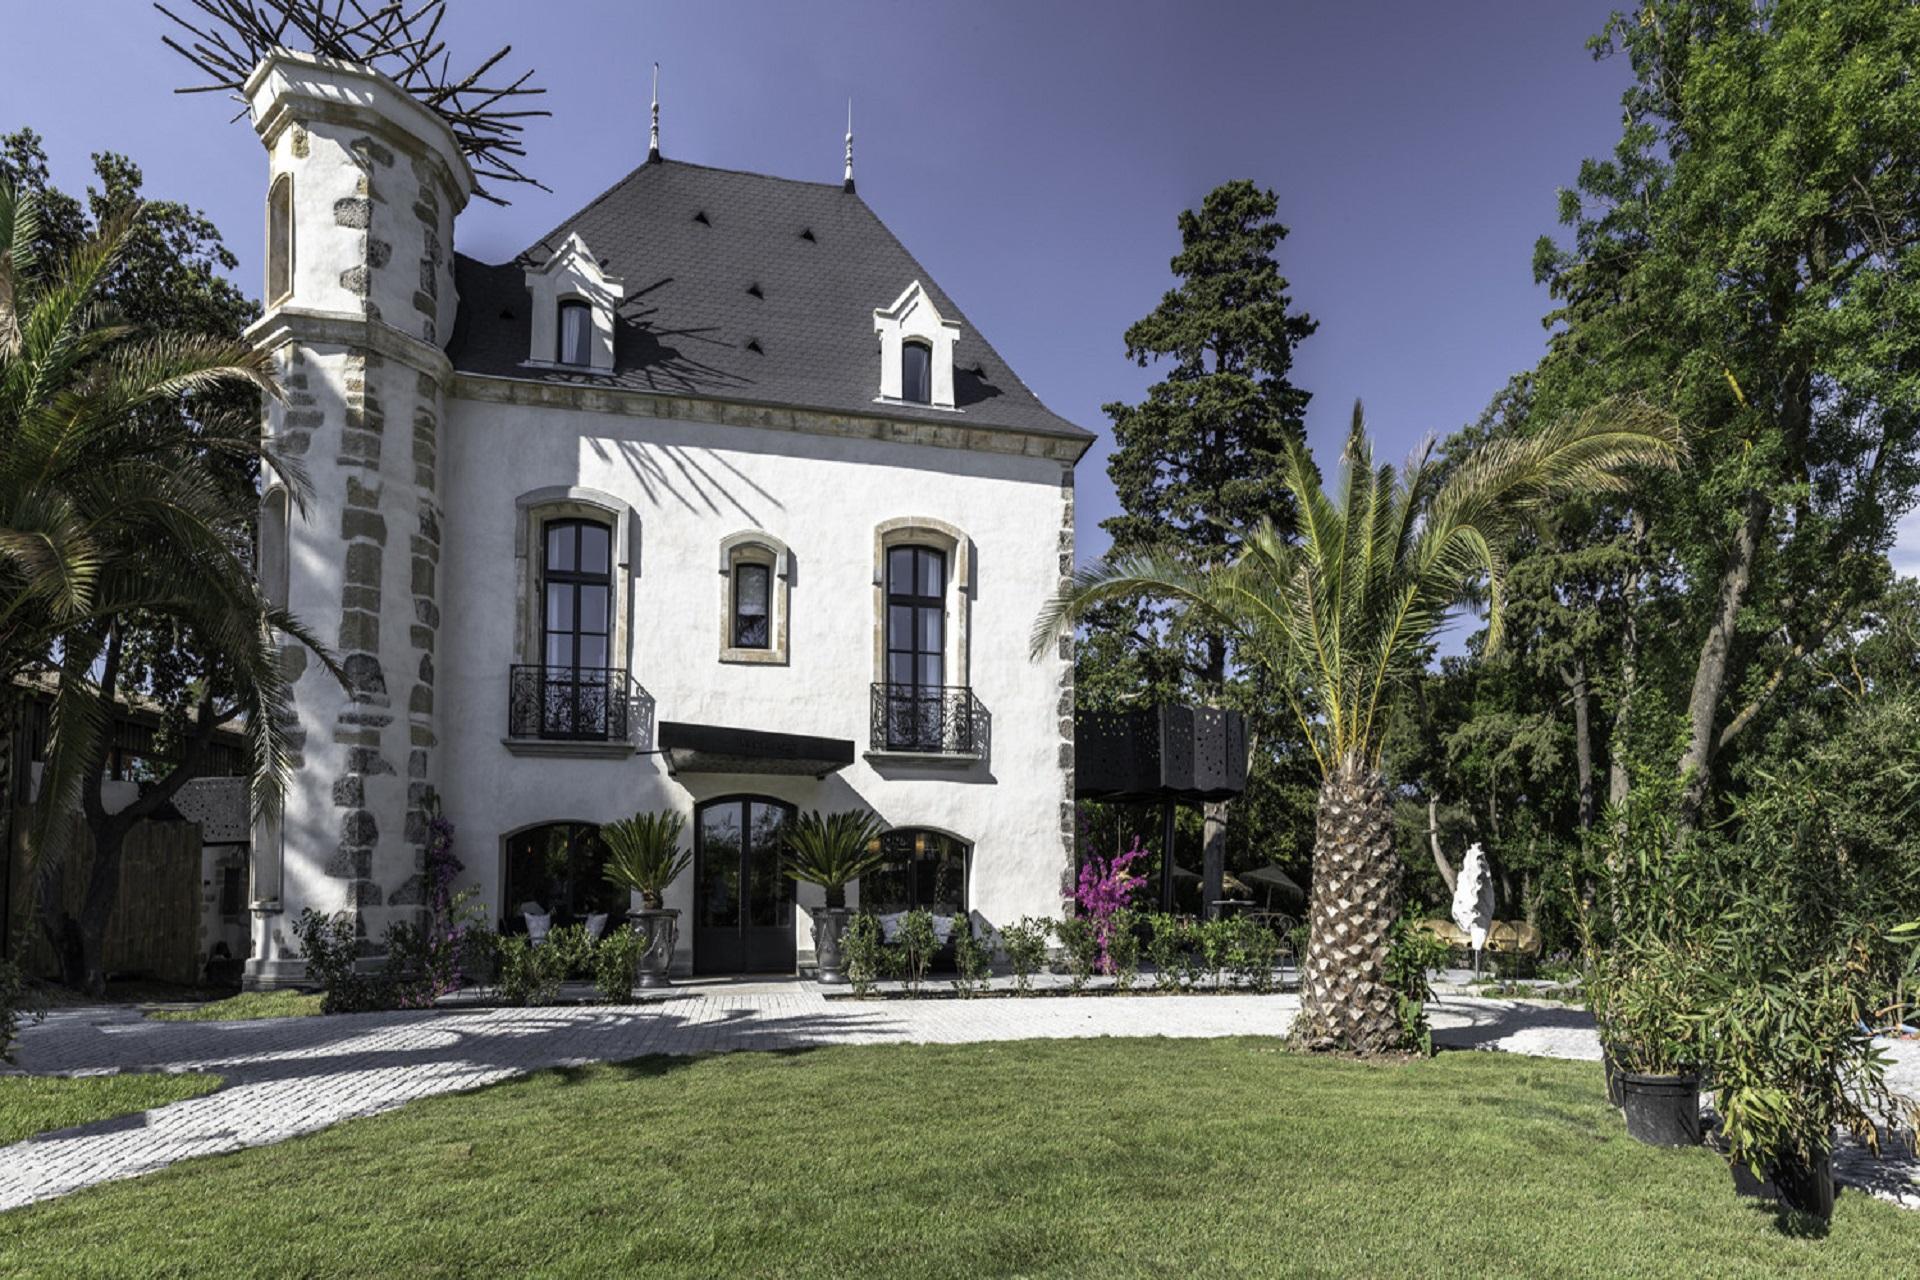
{"points": [[363, 187]]}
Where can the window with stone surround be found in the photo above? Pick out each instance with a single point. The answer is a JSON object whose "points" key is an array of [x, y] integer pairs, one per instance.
{"points": [[272, 559], [756, 573], [571, 688], [280, 239], [575, 304], [922, 587], [916, 350]]}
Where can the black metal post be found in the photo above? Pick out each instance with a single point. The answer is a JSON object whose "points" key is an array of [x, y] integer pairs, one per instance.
{"points": [[1166, 857]]}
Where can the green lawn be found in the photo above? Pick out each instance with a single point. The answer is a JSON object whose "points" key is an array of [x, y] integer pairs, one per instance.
{"points": [[1115, 1157], [246, 1006], [40, 1104]]}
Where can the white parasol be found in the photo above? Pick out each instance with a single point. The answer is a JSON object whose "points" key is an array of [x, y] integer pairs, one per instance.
{"points": [[1473, 897]]}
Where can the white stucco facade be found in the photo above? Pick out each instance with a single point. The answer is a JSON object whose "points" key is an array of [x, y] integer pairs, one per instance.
{"points": [[419, 558]]}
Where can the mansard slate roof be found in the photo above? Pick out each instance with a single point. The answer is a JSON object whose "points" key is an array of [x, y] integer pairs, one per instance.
{"points": [[741, 287]]}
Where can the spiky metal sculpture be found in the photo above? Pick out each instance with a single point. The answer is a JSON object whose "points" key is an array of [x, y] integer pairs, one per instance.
{"points": [[228, 38]]}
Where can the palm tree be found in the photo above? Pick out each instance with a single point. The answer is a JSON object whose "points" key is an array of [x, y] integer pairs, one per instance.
{"points": [[1341, 619], [112, 510]]}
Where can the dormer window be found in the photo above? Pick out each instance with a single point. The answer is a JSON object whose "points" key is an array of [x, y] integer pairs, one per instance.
{"points": [[576, 333], [916, 351], [574, 301], [916, 372]]}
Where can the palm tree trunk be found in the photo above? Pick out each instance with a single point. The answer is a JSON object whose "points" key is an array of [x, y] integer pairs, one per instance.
{"points": [[1213, 857], [1346, 1004]]}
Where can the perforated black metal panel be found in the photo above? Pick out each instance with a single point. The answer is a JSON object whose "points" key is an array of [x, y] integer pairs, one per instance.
{"points": [[1160, 753]]}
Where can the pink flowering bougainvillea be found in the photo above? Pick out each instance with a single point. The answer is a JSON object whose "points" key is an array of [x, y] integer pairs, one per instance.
{"points": [[1106, 888]]}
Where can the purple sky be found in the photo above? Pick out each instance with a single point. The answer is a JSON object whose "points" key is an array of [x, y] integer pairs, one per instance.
{"points": [[1033, 156]]}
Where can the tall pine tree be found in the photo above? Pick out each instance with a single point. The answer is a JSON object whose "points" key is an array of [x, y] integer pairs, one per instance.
{"points": [[1201, 456]]}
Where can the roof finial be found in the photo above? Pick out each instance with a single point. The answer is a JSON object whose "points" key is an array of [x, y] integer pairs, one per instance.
{"points": [[653, 139], [847, 183]]}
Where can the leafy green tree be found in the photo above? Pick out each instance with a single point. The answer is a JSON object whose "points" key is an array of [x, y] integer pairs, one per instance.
{"points": [[1344, 618], [1202, 457], [1748, 255], [120, 513]]}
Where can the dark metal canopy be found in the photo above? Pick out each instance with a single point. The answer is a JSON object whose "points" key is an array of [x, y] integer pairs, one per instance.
{"points": [[1160, 754], [709, 748]]}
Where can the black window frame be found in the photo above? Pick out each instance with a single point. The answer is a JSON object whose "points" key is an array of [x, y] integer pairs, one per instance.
{"points": [[916, 602], [903, 858], [575, 577], [565, 307], [584, 877], [738, 620], [907, 381]]}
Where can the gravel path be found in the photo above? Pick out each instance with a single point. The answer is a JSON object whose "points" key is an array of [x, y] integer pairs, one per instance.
{"points": [[295, 1075]]}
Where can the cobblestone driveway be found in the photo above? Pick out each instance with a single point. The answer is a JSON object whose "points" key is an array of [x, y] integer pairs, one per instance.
{"points": [[295, 1075]]}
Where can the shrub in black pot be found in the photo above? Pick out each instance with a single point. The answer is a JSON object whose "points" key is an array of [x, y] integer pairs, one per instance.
{"points": [[1792, 1061], [1610, 1066], [831, 851], [1662, 1110], [1647, 997]]}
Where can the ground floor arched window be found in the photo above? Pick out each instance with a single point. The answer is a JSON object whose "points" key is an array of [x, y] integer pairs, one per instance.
{"points": [[920, 868], [557, 870]]}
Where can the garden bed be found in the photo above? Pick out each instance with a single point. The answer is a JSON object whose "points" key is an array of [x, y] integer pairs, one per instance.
{"points": [[947, 987]]}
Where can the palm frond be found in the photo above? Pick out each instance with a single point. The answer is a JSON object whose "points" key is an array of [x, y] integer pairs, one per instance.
{"points": [[1346, 613]]}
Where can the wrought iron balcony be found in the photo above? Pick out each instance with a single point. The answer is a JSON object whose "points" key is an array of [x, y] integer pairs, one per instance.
{"points": [[945, 720], [571, 704]]}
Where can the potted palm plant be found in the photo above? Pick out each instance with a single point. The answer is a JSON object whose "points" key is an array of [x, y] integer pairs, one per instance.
{"points": [[832, 851], [644, 857]]}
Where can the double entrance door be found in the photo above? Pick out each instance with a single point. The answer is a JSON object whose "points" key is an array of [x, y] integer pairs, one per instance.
{"points": [[743, 916]]}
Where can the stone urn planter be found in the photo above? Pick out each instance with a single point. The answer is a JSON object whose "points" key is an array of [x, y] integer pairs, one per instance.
{"points": [[829, 931], [660, 930]]}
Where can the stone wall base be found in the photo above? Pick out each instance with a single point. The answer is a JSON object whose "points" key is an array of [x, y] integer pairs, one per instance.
{"points": [[272, 975]]}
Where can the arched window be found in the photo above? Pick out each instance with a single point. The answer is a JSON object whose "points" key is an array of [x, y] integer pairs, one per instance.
{"points": [[743, 899], [557, 870], [576, 587], [280, 238], [576, 333], [919, 868], [916, 372], [752, 605], [916, 648], [272, 559], [756, 570]]}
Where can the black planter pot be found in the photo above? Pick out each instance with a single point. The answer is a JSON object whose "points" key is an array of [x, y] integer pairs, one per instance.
{"points": [[1747, 1183], [829, 929], [661, 931], [1805, 1186], [1662, 1111]]}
